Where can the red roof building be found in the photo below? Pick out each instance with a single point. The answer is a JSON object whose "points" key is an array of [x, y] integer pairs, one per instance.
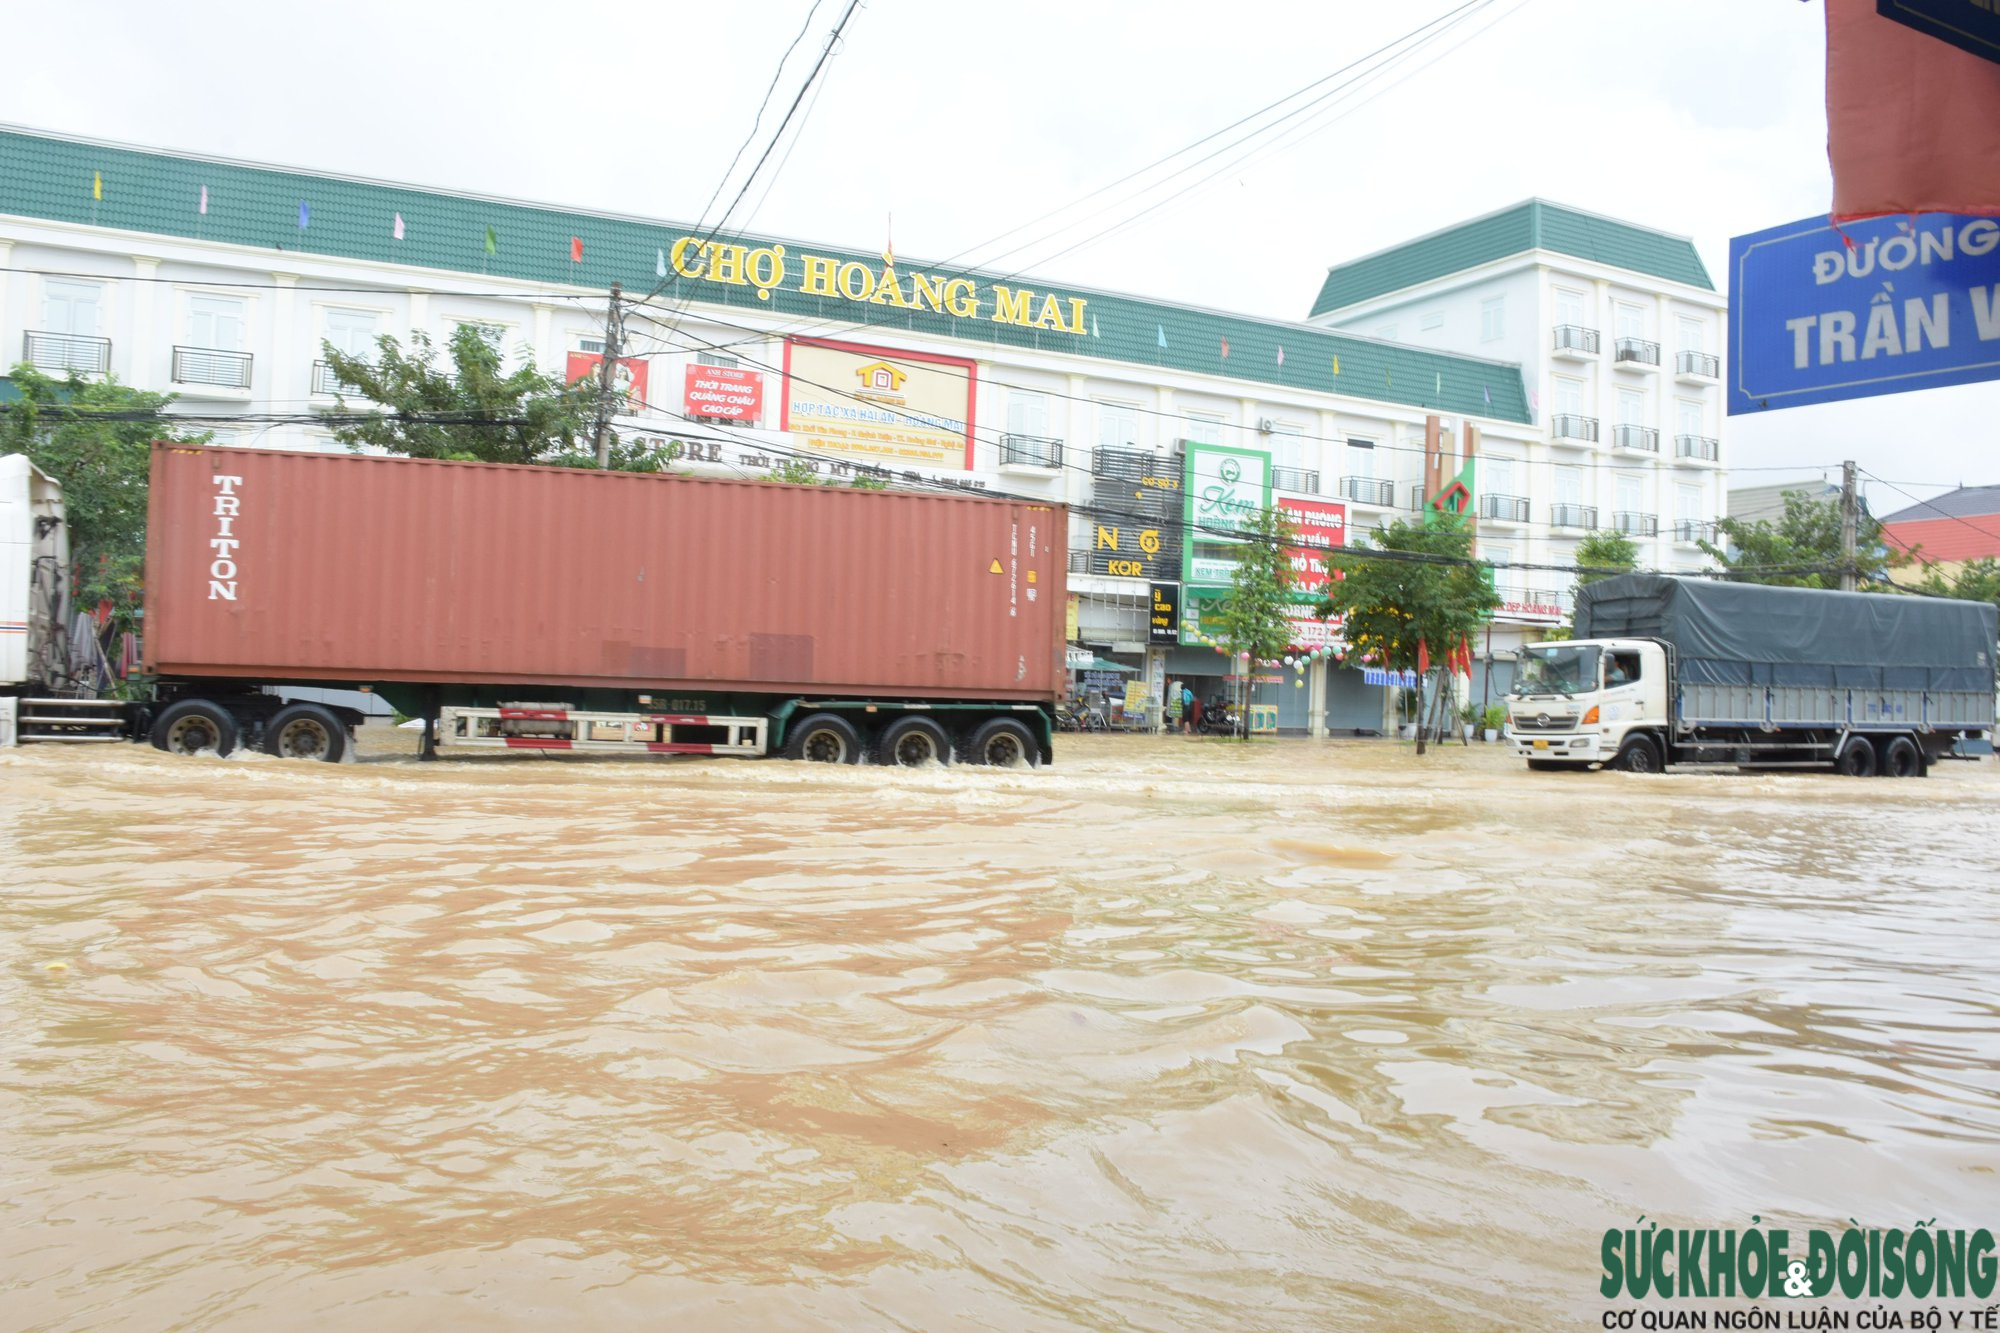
{"points": [[1961, 525]]}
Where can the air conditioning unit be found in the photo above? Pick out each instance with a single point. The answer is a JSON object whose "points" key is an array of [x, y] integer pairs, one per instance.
{"points": [[1265, 425]]}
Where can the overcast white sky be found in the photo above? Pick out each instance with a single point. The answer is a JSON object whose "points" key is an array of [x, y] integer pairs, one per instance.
{"points": [[1703, 117]]}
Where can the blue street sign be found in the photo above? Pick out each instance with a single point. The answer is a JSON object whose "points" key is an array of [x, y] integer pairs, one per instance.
{"points": [[1887, 305], [1969, 26]]}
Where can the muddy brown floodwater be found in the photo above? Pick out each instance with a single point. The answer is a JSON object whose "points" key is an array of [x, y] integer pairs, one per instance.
{"points": [[1175, 1035]]}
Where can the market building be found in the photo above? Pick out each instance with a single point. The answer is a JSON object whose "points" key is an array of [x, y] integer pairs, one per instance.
{"points": [[1155, 422]]}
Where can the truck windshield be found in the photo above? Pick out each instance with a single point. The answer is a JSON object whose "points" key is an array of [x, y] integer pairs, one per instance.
{"points": [[1557, 669]]}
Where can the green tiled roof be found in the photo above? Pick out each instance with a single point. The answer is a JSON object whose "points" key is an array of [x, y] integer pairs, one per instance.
{"points": [[1534, 225], [145, 190]]}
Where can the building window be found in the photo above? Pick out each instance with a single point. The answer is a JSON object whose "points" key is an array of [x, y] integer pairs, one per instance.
{"points": [[1569, 307], [1569, 396], [494, 335], [590, 346], [216, 322], [1433, 321], [1493, 319], [700, 359], [1631, 321], [71, 307], [1117, 426], [1631, 407], [1027, 413], [1689, 414], [1361, 458], [1687, 505], [1204, 428], [1499, 471], [1694, 335], [351, 332], [1631, 493], [1569, 485]]}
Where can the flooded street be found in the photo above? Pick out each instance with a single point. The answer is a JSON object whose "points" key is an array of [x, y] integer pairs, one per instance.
{"points": [[1177, 1034]]}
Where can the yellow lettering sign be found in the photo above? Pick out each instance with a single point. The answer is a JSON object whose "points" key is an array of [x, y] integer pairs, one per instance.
{"points": [[1107, 538], [1010, 307]]}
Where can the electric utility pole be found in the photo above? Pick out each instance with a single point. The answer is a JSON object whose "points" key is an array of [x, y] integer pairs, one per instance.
{"points": [[607, 380], [1850, 516]]}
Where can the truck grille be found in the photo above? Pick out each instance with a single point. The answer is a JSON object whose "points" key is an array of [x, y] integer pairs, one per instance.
{"points": [[1545, 721]]}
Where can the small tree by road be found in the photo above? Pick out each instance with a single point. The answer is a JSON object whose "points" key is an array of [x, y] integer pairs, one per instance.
{"points": [[1250, 619], [1801, 549], [1601, 555], [1419, 587]]}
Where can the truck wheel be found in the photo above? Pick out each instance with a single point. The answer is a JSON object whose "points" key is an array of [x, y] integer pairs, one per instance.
{"points": [[191, 726], [1902, 759], [824, 738], [912, 742], [1639, 755], [1003, 742], [306, 731], [1858, 759]]}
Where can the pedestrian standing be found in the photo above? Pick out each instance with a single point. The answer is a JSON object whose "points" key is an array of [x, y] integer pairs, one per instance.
{"points": [[1190, 710]]}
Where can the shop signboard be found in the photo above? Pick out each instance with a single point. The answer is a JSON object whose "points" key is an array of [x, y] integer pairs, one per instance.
{"points": [[628, 381], [1070, 615], [1226, 488], [1166, 613], [1137, 533], [723, 393], [1321, 526], [1881, 305], [1529, 608], [888, 407]]}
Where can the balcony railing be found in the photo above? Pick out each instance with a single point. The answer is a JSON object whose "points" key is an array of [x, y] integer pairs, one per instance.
{"points": [[1636, 524], [1573, 516], [326, 382], [1696, 446], [1569, 426], [1698, 365], [66, 351], [1030, 451], [1368, 491], [1504, 508], [1694, 530], [1295, 479], [1575, 340], [1635, 351], [1636, 437], [208, 365]]}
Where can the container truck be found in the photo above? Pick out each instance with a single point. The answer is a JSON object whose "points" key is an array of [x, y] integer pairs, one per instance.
{"points": [[1669, 671], [553, 609]]}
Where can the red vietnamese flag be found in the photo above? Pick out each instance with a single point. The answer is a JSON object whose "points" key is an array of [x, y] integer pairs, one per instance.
{"points": [[1423, 657], [1912, 122], [576, 250]]}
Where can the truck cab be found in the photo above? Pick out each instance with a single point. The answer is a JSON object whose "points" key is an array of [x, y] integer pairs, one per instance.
{"points": [[1589, 702]]}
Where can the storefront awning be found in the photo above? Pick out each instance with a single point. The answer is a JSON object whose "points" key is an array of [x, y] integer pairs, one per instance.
{"points": [[1099, 664]]}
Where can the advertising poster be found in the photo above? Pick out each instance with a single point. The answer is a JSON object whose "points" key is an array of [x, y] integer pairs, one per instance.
{"points": [[723, 393], [630, 377], [1139, 535], [1322, 526], [1165, 626], [885, 406]]}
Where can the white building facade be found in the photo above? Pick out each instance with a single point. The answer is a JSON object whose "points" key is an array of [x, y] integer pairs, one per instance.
{"points": [[1618, 330], [221, 282]]}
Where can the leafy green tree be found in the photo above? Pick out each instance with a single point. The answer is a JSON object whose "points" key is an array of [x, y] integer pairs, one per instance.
{"points": [[1250, 618], [474, 410], [1423, 587], [95, 437], [1974, 581], [1806, 537], [1604, 549]]}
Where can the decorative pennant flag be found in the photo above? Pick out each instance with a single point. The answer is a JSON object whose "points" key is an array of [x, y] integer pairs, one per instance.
{"points": [[202, 207], [396, 229], [1440, 384], [305, 215], [889, 241], [1281, 354], [1161, 330], [576, 249], [1423, 657], [1486, 393], [1225, 349], [492, 242], [1093, 327], [97, 185], [659, 263], [1336, 365], [1388, 378]]}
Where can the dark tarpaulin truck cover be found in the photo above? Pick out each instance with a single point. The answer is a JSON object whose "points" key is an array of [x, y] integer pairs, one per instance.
{"points": [[1750, 634]]}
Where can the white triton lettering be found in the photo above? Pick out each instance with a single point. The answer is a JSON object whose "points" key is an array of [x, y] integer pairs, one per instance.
{"points": [[222, 570]]}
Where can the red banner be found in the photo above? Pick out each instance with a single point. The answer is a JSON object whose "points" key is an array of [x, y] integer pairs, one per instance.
{"points": [[1321, 527], [723, 393], [1912, 123], [630, 378]]}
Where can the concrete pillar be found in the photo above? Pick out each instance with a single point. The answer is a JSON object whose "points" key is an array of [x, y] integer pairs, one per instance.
{"points": [[286, 378], [144, 344], [1316, 699]]}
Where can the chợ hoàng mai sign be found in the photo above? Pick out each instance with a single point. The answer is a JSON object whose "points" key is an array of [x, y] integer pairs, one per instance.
{"points": [[1818, 314]]}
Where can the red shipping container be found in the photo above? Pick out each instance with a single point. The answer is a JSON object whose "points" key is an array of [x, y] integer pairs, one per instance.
{"points": [[271, 565]]}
